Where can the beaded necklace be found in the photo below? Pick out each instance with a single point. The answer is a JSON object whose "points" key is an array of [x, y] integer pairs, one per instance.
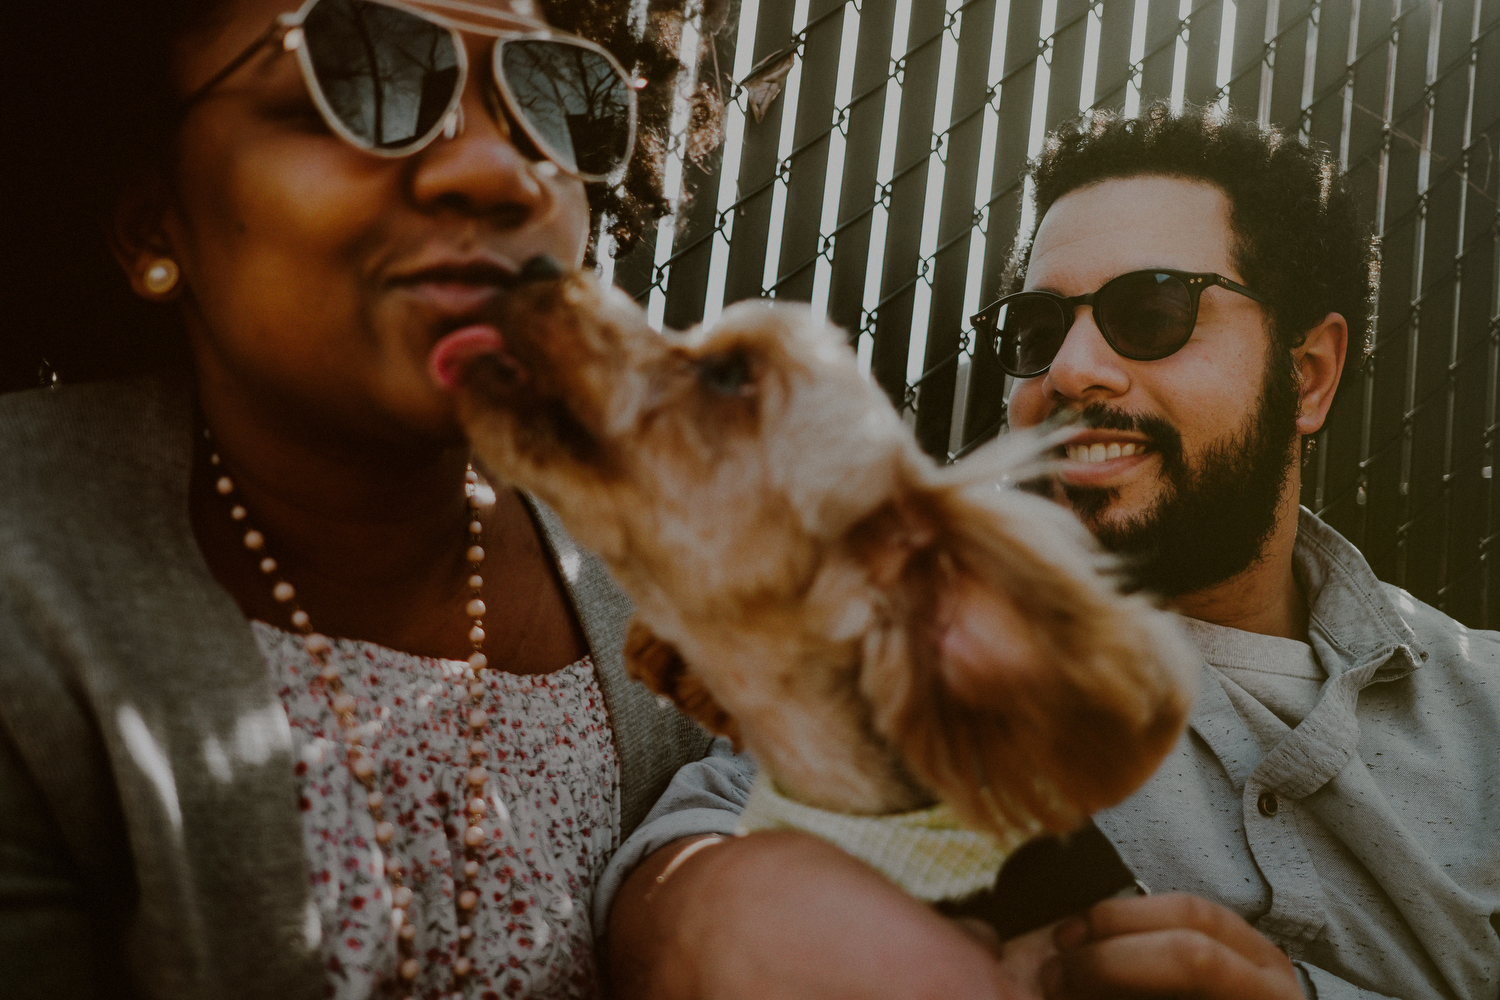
{"points": [[360, 763]]}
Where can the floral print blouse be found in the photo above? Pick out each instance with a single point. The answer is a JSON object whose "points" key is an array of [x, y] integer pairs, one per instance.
{"points": [[554, 810]]}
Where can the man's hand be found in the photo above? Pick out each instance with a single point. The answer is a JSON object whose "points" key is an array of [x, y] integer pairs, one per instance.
{"points": [[1166, 946], [786, 915]]}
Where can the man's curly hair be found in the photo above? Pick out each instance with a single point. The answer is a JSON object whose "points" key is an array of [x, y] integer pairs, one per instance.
{"points": [[88, 82], [1298, 236]]}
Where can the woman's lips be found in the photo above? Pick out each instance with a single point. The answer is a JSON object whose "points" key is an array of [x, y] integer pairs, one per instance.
{"points": [[450, 298], [453, 353]]}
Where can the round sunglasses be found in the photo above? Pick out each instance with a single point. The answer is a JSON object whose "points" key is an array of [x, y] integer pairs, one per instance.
{"points": [[388, 77], [1144, 315]]}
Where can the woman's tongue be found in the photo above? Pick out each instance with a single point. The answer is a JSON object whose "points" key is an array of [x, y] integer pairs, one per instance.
{"points": [[451, 355]]}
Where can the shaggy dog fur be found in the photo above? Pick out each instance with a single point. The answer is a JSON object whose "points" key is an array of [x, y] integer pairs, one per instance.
{"points": [[878, 631]]}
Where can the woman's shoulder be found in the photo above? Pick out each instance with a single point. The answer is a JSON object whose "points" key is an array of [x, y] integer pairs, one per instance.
{"points": [[38, 424], [95, 489], [98, 448]]}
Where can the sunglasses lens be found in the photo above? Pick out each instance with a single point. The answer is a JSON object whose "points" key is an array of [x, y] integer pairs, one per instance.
{"points": [[1031, 328], [1146, 314], [387, 75], [576, 104]]}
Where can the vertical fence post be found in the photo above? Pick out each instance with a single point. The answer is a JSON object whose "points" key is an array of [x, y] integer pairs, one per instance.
{"points": [[961, 147], [1491, 406], [1455, 329], [1415, 307]]}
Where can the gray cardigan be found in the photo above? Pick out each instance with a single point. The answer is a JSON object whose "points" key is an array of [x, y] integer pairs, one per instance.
{"points": [[127, 867]]}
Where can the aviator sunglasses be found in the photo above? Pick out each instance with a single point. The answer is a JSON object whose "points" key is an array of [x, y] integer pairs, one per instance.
{"points": [[1144, 315], [387, 76]]}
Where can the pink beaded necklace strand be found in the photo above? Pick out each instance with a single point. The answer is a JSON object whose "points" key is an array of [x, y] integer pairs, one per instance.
{"points": [[361, 765]]}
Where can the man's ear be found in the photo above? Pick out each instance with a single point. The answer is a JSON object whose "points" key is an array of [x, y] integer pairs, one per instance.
{"points": [[1320, 363], [139, 239], [657, 664], [1015, 681]]}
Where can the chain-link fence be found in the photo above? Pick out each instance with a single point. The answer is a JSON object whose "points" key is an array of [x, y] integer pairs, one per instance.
{"points": [[885, 185]]}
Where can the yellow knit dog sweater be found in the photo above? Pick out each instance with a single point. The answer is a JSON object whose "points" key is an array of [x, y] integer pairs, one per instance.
{"points": [[924, 852]]}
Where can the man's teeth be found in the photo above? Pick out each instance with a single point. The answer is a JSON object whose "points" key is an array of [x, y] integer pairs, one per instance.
{"points": [[1101, 452]]}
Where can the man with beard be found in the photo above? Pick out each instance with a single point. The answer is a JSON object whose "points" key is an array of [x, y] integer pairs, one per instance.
{"points": [[1329, 825], [1187, 297]]}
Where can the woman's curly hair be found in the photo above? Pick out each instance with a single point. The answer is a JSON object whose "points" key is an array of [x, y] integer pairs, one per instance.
{"points": [[94, 105], [1298, 235]]}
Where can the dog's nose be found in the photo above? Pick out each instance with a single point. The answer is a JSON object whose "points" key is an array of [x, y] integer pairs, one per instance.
{"points": [[540, 268]]}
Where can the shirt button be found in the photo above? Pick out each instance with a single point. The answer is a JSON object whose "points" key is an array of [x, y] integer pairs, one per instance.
{"points": [[1267, 803]]}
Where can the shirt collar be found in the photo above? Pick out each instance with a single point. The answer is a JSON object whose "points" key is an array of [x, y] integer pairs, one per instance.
{"points": [[1354, 619]]}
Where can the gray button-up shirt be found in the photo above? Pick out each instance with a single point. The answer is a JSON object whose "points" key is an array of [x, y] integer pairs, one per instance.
{"points": [[1366, 842]]}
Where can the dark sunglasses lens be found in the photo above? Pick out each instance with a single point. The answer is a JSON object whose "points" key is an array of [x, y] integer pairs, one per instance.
{"points": [[386, 74], [1031, 330], [574, 100], [1145, 314]]}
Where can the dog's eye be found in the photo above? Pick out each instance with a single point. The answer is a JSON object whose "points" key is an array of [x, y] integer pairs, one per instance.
{"points": [[727, 374]]}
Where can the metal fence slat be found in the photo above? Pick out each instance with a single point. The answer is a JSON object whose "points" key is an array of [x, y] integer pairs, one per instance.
{"points": [[807, 167], [1065, 57], [946, 320], [687, 286], [1289, 52], [908, 189], [1204, 27], [758, 166], [985, 407], [1162, 25], [1248, 60], [1115, 71], [863, 123]]}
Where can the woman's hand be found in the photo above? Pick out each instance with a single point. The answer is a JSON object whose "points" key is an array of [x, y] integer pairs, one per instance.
{"points": [[1171, 945], [785, 915]]}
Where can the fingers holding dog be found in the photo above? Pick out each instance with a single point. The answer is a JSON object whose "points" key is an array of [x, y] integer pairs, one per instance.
{"points": [[1170, 945], [1136, 915]]}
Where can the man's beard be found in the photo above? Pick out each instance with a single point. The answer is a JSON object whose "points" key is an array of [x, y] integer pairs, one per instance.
{"points": [[1213, 518]]}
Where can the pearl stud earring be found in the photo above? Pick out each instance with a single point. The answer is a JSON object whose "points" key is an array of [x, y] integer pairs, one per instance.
{"points": [[161, 277]]}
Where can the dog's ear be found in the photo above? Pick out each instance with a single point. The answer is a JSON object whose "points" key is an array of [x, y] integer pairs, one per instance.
{"points": [[1018, 684], [658, 665]]}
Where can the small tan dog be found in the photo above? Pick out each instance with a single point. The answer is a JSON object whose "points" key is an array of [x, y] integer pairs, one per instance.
{"points": [[876, 630]]}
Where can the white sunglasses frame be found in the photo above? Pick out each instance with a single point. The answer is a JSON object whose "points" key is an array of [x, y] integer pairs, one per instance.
{"points": [[466, 17]]}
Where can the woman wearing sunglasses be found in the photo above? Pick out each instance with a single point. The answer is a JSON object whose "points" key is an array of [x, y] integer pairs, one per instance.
{"points": [[292, 701]]}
